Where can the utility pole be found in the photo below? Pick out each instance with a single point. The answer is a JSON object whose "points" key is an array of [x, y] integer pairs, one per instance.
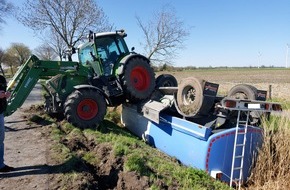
{"points": [[259, 59], [287, 50]]}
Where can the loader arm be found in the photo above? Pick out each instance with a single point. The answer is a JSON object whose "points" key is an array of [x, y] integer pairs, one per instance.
{"points": [[27, 76]]}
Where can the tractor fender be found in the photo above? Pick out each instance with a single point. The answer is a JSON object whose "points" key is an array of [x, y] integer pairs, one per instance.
{"points": [[124, 60], [87, 86]]}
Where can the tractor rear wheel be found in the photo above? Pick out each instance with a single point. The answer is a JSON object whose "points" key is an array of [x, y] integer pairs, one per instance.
{"points": [[138, 79], [85, 108], [190, 96]]}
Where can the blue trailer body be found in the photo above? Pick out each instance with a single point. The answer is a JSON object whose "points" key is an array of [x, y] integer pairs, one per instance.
{"points": [[195, 145]]}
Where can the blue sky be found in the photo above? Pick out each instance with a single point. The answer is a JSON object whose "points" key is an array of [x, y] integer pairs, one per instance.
{"points": [[223, 32]]}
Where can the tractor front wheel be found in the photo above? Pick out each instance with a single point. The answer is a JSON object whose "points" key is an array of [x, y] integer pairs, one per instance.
{"points": [[85, 108]]}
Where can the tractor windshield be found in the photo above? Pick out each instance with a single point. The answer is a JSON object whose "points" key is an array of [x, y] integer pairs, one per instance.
{"points": [[110, 49]]}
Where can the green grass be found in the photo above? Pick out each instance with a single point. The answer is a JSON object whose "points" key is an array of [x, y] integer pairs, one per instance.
{"points": [[137, 162], [91, 158], [285, 104]]}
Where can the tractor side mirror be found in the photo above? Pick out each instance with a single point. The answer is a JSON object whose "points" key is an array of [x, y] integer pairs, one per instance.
{"points": [[132, 49], [73, 50], [91, 36]]}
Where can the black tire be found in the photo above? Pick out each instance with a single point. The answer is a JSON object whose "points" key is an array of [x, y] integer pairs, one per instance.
{"points": [[85, 108], [246, 92], [166, 80], [48, 105], [243, 91], [190, 96], [138, 79]]}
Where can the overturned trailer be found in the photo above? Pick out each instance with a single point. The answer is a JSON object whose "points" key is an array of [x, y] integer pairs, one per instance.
{"points": [[220, 135]]}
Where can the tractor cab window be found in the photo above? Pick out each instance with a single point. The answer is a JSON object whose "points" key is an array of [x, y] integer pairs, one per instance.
{"points": [[122, 46], [86, 54], [110, 49]]}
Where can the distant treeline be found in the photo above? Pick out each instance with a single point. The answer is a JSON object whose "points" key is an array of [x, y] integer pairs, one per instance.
{"points": [[167, 67]]}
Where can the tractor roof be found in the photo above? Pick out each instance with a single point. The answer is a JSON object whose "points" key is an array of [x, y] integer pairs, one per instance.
{"points": [[118, 32], [101, 34]]}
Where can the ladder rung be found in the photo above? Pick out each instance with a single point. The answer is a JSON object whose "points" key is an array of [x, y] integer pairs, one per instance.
{"points": [[238, 168], [237, 180], [243, 121], [241, 133], [240, 144], [240, 156]]}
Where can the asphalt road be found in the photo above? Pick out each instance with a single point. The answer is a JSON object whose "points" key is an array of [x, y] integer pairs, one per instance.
{"points": [[34, 97], [26, 149]]}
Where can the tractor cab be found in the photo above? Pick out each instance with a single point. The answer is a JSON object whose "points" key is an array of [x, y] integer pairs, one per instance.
{"points": [[103, 51]]}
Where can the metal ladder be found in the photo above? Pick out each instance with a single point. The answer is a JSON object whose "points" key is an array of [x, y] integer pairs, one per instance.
{"points": [[243, 107], [240, 134]]}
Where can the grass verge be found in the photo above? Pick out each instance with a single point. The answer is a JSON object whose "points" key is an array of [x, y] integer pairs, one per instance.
{"points": [[271, 170], [123, 153]]}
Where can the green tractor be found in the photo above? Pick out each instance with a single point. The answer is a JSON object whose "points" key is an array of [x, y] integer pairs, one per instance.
{"points": [[107, 74]]}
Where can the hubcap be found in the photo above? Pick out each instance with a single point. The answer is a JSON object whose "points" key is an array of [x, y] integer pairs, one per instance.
{"points": [[87, 109], [189, 95], [240, 95], [140, 78]]}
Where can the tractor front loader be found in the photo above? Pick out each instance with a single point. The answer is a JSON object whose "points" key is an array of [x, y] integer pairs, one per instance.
{"points": [[107, 74]]}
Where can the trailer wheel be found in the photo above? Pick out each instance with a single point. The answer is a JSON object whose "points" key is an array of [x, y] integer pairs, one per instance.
{"points": [[243, 91], [166, 80], [190, 96], [246, 92], [138, 79], [85, 108]]}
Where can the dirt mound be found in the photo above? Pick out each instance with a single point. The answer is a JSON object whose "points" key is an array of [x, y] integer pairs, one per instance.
{"points": [[131, 180], [103, 170]]}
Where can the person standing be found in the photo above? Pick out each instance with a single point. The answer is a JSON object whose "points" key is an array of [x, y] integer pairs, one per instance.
{"points": [[3, 104]]}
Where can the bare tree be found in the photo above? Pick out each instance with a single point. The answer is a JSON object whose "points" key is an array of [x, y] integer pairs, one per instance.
{"points": [[17, 54], [54, 40], [57, 43], [164, 35], [5, 9], [2, 55], [45, 52], [70, 19]]}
